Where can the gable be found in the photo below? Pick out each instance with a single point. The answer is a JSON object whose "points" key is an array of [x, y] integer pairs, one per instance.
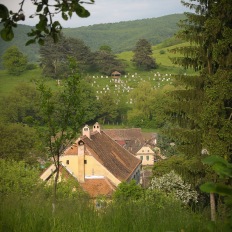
{"points": [[145, 150], [117, 160]]}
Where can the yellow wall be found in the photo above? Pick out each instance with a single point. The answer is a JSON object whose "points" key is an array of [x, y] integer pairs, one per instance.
{"points": [[92, 167], [73, 163]]}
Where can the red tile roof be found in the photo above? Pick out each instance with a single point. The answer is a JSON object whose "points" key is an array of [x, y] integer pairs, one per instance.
{"points": [[133, 139], [120, 162], [98, 187]]}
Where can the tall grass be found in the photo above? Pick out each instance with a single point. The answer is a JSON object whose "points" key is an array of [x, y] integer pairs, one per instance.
{"points": [[35, 214]]}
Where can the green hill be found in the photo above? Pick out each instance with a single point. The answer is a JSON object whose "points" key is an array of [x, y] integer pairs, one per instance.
{"points": [[123, 36], [120, 36]]}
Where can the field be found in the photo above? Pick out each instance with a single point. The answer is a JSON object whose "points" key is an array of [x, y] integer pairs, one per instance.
{"points": [[165, 70]]}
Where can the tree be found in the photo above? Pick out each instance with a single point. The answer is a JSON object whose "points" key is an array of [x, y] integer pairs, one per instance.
{"points": [[128, 191], [172, 183], [107, 111], [202, 110], [20, 143], [44, 10], [20, 105], [14, 61], [224, 170], [63, 114], [54, 57], [149, 106], [143, 55], [17, 178], [106, 62]]}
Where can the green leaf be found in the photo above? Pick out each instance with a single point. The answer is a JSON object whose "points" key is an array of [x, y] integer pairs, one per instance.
{"points": [[39, 8], [64, 16], [82, 12], [41, 41], [211, 160], [4, 13], [208, 187], [7, 34], [31, 41], [216, 188]]}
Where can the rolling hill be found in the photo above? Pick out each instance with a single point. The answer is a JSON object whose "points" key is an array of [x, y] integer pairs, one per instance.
{"points": [[120, 36]]}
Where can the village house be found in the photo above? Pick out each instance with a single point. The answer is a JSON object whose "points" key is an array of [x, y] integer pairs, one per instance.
{"points": [[97, 162], [134, 141]]}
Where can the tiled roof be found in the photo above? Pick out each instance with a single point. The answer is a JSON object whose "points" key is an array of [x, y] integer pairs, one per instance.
{"points": [[132, 137], [120, 162], [98, 187], [72, 150]]}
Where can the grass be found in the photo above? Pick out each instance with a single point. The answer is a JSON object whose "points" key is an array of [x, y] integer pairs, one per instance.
{"points": [[163, 60], [9, 82], [35, 214]]}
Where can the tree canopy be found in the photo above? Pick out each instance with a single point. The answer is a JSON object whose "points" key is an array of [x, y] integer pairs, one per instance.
{"points": [[14, 61], [142, 55]]}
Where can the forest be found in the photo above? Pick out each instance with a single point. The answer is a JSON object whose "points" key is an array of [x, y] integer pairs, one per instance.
{"points": [[177, 86]]}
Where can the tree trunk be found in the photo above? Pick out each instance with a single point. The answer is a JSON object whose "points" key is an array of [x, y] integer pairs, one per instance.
{"points": [[57, 164], [212, 207]]}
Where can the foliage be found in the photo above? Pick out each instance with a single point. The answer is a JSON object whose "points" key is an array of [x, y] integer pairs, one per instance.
{"points": [[14, 61], [44, 10], [172, 183], [201, 114], [149, 106], [17, 178], [122, 36], [128, 191], [106, 62], [224, 170], [19, 142], [143, 55], [63, 113], [107, 109], [20, 105], [115, 35], [55, 56]]}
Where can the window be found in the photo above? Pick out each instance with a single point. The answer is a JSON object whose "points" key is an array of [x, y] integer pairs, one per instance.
{"points": [[85, 161], [141, 157], [67, 161], [147, 157]]}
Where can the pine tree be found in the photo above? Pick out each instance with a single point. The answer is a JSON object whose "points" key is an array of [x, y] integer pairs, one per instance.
{"points": [[143, 55], [203, 107]]}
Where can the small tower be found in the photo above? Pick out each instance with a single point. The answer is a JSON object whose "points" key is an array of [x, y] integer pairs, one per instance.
{"points": [[96, 127], [86, 131]]}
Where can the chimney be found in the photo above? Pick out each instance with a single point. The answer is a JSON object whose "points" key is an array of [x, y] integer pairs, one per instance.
{"points": [[81, 162], [96, 127], [86, 131]]}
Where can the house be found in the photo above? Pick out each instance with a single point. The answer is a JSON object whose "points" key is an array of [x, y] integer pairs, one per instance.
{"points": [[131, 139], [97, 162], [138, 143], [147, 155]]}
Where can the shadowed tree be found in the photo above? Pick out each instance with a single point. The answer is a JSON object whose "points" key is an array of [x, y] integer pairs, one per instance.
{"points": [[143, 55]]}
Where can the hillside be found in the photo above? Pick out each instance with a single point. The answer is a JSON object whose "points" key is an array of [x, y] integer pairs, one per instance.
{"points": [[120, 36], [123, 36]]}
